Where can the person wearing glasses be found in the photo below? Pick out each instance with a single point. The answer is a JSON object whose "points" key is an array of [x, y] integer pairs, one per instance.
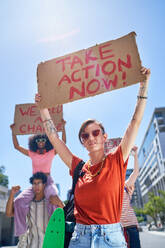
{"points": [[41, 153], [99, 191], [37, 217]]}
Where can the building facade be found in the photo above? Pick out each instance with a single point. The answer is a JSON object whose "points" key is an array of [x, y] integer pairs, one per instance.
{"points": [[6, 224], [3, 198], [152, 157]]}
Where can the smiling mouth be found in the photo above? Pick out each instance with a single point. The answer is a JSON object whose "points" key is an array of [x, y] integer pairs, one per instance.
{"points": [[92, 144]]}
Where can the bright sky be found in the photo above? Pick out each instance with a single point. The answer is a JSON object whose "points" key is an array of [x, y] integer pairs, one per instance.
{"points": [[35, 31]]}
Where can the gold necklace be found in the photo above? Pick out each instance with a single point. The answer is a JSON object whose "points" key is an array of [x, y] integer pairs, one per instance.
{"points": [[98, 172]]}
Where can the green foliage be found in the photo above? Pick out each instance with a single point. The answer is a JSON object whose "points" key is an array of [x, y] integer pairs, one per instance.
{"points": [[155, 207], [162, 193], [139, 211], [3, 178], [162, 212], [140, 214], [140, 218]]}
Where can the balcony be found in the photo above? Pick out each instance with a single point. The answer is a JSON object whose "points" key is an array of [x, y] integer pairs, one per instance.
{"points": [[160, 120], [162, 127]]}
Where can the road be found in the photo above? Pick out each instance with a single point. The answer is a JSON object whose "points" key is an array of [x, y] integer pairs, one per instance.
{"points": [[148, 240], [152, 239]]}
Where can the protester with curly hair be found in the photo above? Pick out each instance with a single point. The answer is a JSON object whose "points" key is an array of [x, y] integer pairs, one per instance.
{"points": [[37, 217], [41, 153]]}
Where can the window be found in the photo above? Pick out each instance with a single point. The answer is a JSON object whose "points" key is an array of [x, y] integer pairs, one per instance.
{"points": [[161, 122], [144, 152], [158, 114], [162, 128]]}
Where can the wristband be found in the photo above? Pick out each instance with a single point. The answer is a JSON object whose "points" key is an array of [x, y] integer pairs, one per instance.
{"points": [[142, 97]]}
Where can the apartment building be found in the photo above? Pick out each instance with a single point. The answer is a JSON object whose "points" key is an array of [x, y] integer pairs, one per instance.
{"points": [[152, 156]]}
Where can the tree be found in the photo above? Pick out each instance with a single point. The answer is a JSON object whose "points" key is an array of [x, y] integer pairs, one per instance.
{"points": [[3, 178], [140, 214], [140, 219], [162, 213], [153, 207]]}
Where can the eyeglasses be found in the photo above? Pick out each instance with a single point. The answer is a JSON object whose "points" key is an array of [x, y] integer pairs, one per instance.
{"points": [[37, 184], [43, 140], [85, 136]]}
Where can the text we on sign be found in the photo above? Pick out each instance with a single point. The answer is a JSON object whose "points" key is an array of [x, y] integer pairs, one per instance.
{"points": [[104, 67], [27, 119]]}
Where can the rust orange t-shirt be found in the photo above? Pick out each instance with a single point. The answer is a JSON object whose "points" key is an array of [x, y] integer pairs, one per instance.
{"points": [[98, 200]]}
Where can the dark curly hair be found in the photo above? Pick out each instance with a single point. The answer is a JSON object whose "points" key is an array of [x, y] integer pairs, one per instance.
{"points": [[33, 144], [38, 175]]}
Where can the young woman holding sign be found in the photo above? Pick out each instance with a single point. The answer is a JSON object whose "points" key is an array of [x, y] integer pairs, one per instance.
{"points": [[41, 153], [99, 191]]}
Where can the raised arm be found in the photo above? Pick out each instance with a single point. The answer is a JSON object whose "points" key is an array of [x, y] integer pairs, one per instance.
{"points": [[10, 202], [55, 200], [132, 178], [132, 130], [16, 144], [63, 131], [60, 147]]}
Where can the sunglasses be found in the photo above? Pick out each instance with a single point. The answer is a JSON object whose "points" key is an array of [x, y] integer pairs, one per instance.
{"points": [[40, 140], [85, 136]]}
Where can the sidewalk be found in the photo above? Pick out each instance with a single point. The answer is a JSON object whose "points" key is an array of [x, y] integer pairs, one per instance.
{"points": [[162, 233], [8, 247], [145, 229]]}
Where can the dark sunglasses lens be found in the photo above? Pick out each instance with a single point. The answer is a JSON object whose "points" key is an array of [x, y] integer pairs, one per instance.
{"points": [[85, 136], [96, 132]]}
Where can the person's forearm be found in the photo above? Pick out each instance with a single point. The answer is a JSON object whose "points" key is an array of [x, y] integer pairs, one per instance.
{"points": [[132, 130], [48, 125], [15, 141], [132, 178], [10, 206], [61, 204], [18, 147], [55, 200], [136, 164], [52, 134], [64, 135], [141, 103]]}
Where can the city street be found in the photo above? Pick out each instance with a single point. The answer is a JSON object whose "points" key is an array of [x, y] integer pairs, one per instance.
{"points": [[148, 240], [152, 239]]}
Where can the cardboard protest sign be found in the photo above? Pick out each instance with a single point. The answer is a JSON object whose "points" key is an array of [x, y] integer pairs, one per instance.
{"points": [[27, 119], [104, 67], [111, 144]]}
